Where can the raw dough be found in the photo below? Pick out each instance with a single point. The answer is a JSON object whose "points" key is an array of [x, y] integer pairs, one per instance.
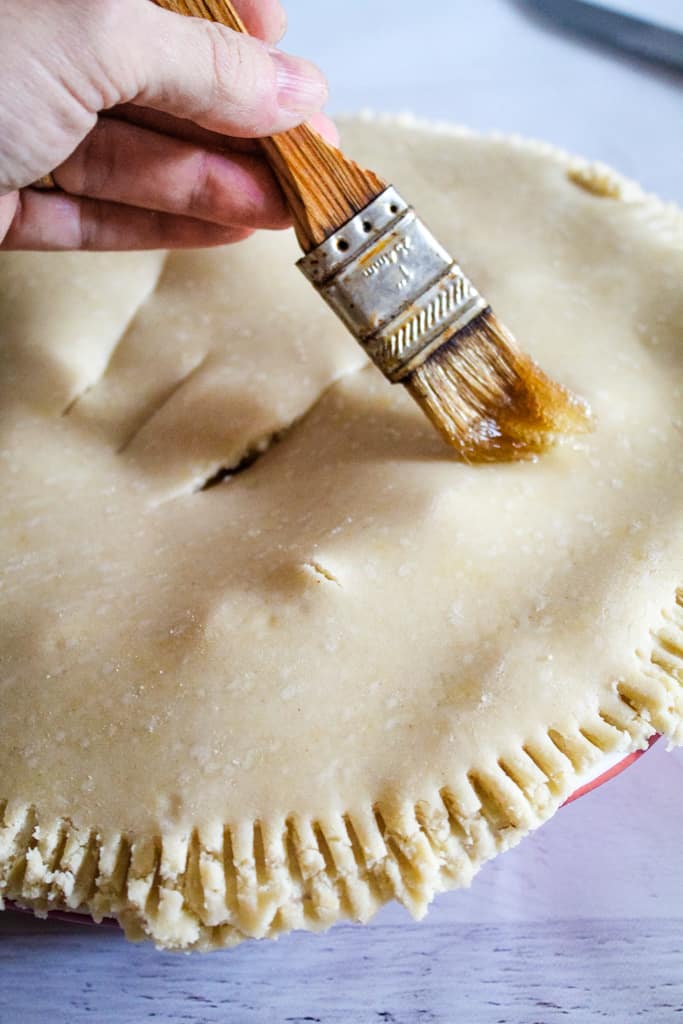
{"points": [[355, 669]]}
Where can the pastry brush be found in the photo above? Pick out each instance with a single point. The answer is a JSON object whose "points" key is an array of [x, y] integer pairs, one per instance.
{"points": [[406, 300]]}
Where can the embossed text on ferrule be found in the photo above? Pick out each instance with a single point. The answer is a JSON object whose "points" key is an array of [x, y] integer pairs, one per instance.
{"points": [[391, 272], [389, 258], [392, 284]]}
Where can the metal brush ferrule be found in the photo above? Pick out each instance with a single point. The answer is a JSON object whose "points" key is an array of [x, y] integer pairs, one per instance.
{"points": [[396, 289]]}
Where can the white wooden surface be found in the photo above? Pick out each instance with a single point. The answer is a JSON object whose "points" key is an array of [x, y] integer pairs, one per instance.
{"points": [[570, 925], [583, 921]]}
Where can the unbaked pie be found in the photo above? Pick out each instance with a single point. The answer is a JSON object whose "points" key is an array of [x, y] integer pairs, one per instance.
{"points": [[270, 655]]}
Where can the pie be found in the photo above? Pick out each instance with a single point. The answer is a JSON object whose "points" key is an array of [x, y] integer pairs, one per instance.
{"points": [[270, 655]]}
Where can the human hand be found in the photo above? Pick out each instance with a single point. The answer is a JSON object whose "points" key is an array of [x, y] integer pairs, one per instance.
{"points": [[144, 119]]}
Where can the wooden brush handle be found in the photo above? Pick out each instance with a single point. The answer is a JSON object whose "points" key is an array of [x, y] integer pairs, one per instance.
{"points": [[322, 187]]}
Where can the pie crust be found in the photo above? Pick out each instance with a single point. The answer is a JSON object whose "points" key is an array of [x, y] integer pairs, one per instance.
{"points": [[355, 669]]}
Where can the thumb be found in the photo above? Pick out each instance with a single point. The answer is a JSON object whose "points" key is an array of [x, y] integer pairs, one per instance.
{"points": [[226, 82]]}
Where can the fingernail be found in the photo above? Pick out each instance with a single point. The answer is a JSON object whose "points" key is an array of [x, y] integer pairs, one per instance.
{"points": [[301, 86]]}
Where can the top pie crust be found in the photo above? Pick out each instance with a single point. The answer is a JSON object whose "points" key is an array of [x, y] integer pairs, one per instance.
{"points": [[356, 669]]}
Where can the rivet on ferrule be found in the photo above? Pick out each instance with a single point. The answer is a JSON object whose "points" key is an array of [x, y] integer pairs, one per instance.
{"points": [[396, 289]]}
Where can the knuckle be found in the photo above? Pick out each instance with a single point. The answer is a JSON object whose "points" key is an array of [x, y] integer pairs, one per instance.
{"points": [[245, 195], [223, 78], [91, 166], [238, 76], [108, 71], [203, 195]]}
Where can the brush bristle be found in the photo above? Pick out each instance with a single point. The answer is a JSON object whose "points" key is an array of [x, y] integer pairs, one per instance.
{"points": [[490, 400]]}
